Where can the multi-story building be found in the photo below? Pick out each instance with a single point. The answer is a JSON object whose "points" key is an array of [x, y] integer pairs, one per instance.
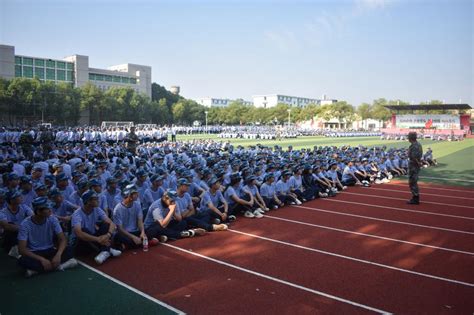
{"points": [[75, 70], [271, 100], [220, 102]]}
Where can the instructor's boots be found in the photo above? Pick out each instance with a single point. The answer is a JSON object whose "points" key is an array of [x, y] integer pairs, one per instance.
{"points": [[415, 200]]}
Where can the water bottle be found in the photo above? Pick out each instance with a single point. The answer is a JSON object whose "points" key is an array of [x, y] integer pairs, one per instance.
{"points": [[145, 244]]}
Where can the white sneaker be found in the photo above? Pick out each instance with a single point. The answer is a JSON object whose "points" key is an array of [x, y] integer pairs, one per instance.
{"points": [[344, 187], [249, 214], [115, 252], [385, 180], [257, 214], [71, 263], [259, 210], [30, 273], [14, 252], [378, 181], [292, 203], [103, 256], [298, 202], [266, 209]]}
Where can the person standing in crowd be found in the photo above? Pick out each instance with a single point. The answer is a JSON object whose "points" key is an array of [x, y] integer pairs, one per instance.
{"points": [[132, 141], [415, 153]]}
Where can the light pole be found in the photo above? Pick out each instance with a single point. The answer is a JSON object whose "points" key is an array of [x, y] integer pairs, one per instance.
{"points": [[206, 112], [289, 118]]}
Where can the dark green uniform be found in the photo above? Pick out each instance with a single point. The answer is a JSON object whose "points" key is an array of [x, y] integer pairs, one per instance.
{"points": [[415, 152], [26, 143]]}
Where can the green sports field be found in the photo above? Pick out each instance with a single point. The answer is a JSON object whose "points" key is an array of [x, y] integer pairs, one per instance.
{"points": [[456, 159], [83, 291]]}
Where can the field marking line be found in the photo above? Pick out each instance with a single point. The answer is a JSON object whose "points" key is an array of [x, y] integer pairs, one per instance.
{"points": [[438, 188], [291, 284], [394, 198], [427, 194], [368, 262], [450, 179], [371, 235], [385, 220], [123, 284], [400, 209]]}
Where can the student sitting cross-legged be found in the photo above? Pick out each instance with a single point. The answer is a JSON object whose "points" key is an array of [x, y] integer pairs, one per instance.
{"points": [[128, 216], [164, 218], [92, 229], [36, 241]]}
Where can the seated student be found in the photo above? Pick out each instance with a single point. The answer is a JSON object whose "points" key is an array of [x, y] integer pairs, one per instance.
{"points": [[428, 159], [361, 174], [36, 241], [62, 209], [92, 229], [111, 193], [334, 176], [296, 183], [214, 207], [76, 197], [283, 191], [268, 192], [259, 203], [389, 165], [128, 217], [154, 192], [237, 204], [396, 164], [385, 174], [27, 192], [188, 212], [10, 219], [96, 185], [163, 218], [348, 176], [325, 186]]}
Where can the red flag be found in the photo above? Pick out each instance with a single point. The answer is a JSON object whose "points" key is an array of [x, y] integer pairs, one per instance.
{"points": [[429, 123]]}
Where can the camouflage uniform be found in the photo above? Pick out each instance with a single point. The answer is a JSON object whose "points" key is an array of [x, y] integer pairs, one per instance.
{"points": [[415, 152]]}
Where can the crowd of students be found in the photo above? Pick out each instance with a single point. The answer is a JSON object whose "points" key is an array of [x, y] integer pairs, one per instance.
{"points": [[100, 198]]}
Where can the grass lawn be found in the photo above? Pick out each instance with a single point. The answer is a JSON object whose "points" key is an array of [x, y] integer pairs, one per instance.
{"points": [[456, 159]]}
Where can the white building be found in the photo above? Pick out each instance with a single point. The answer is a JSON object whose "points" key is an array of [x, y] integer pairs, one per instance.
{"points": [[271, 100], [220, 102], [75, 70]]}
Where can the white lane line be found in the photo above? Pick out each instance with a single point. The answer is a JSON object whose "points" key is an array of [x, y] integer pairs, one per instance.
{"points": [[370, 235], [399, 209], [393, 198], [438, 188], [368, 262], [291, 284], [450, 179], [385, 220], [424, 194], [146, 296]]}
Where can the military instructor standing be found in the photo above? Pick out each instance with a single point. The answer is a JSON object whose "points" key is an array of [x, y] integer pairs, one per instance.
{"points": [[415, 152]]}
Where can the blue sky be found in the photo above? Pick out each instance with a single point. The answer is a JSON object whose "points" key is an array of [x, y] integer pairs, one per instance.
{"points": [[354, 50]]}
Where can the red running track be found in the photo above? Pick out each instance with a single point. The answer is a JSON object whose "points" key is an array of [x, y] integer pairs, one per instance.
{"points": [[306, 257]]}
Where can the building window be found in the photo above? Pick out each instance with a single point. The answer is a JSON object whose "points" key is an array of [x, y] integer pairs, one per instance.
{"points": [[91, 77], [61, 64], [133, 81], [61, 75], [50, 63], [99, 77], [125, 80], [39, 73], [69, 76], [28, 61], [117, 78], [39, 62], [70, 66], [28, 71], [50, 74], [108, 78], [18, 60], [18, 73]]}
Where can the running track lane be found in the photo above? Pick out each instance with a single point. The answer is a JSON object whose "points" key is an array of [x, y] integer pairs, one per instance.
{"points": [[198, 286], [381, 209], [382, 288], [441, 189], [429, 196], [439, 202], [425, 260], [459, 241]]}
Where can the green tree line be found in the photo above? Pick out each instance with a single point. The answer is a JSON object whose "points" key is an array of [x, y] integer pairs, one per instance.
{"points": [[33, 100]]}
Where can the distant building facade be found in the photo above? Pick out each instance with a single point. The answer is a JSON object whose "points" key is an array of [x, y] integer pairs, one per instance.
{"points": [[271, 100], [75, 70], [220, 102]]}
